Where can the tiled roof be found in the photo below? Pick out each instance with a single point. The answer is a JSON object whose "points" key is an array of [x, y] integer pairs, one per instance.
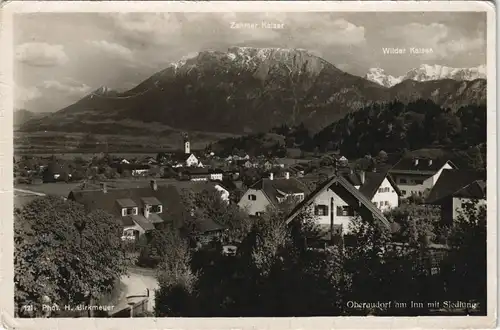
{"points": [[272, 188], [377, 214], [424, 165], [451, 181]]}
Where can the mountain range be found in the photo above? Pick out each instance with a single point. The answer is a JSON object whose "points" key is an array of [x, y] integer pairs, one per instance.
{"points": [[427, 72], [245, 90]]}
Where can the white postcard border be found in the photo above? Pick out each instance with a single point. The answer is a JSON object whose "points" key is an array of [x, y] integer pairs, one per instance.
{"points": [[6, 153]]}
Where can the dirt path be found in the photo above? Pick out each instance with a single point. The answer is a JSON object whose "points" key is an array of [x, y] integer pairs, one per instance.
{"points": [[137, 281]]}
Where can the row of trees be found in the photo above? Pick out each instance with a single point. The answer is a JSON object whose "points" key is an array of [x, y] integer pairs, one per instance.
{"points": [[275, 274]]}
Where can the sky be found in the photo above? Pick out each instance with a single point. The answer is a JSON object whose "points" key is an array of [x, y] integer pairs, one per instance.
{"points": [[61, 57]]}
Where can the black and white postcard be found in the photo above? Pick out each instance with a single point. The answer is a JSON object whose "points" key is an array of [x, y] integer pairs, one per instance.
{"points": [[248, 165]]}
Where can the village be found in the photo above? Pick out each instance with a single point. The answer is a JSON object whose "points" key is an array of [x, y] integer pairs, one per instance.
{"points": [[145, 195]]}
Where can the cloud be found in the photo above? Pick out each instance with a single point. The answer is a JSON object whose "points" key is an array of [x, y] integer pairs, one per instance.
{"points": [[41, 54], [342, 32], [24, 95], [113, 49], [70, 87], [444, 41]]}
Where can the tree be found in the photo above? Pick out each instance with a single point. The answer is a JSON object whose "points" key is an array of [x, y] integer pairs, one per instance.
{"points": [[417, 223], [176, 279], [64, 253], [467, 261]]}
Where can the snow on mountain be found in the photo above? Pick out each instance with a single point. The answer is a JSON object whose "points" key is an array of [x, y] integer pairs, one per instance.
{"points": [[427, 72], [380, 77]]}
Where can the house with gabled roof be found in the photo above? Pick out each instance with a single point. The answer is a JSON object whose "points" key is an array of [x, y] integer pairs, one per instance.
{"points": [[335, 203], [272, 192], [416, 175], [141, 209], [456, 188]]}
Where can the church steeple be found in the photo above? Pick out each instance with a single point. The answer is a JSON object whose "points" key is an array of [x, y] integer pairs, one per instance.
{"points": [[187, 146]]}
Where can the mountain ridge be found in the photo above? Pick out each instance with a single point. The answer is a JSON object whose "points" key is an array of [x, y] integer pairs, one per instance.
{"points": [[246, 90], [427, 72]]}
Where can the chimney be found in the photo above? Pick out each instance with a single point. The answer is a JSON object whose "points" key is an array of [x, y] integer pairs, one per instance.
{"points": [[153, 185], [416, 161], [430, 162], [287, 175], [271, 176], [104, 187], [362, 177], [146, 211]]}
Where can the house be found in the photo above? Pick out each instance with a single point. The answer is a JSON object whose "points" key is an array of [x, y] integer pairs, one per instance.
{"points": [[454, 189], [270, 164], [197, 187], [414, 176], [186, 158], [55, 172], [142, 209], [272, 192], [378, 187], [334, 203], [194, 174], [244, 163], [134, 169], [216, 174]]}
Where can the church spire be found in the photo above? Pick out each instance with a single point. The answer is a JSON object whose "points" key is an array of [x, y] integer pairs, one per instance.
{"points": [[187, 146]]}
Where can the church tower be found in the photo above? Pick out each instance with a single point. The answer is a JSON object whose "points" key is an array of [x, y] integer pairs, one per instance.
{"points": [[187, 147]]}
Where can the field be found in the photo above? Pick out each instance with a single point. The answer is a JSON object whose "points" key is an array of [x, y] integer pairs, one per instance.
{"points": [[46, 142]]}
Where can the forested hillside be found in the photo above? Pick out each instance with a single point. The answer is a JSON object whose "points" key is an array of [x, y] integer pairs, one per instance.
{"points": [[395, 127]]}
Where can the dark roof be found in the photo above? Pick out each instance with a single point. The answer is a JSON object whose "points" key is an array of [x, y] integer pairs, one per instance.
{"points": [[273, 188], [169, 197], [146, 224], [150, 200], [196, 170], [208, 225], [127, 221], [475, 190], [373, 180], [451, 181], [377, 214], [113, 198], [424, 166], [126, 202], [180, 156]]}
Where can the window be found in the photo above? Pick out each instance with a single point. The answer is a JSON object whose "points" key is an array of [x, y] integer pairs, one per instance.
{"points": [[386, 203], [345, 211], [380, 190], [156, 209], [402, 180], [321, 210], [419, 181], [376, 204], [252, 197], [129, 211]]}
